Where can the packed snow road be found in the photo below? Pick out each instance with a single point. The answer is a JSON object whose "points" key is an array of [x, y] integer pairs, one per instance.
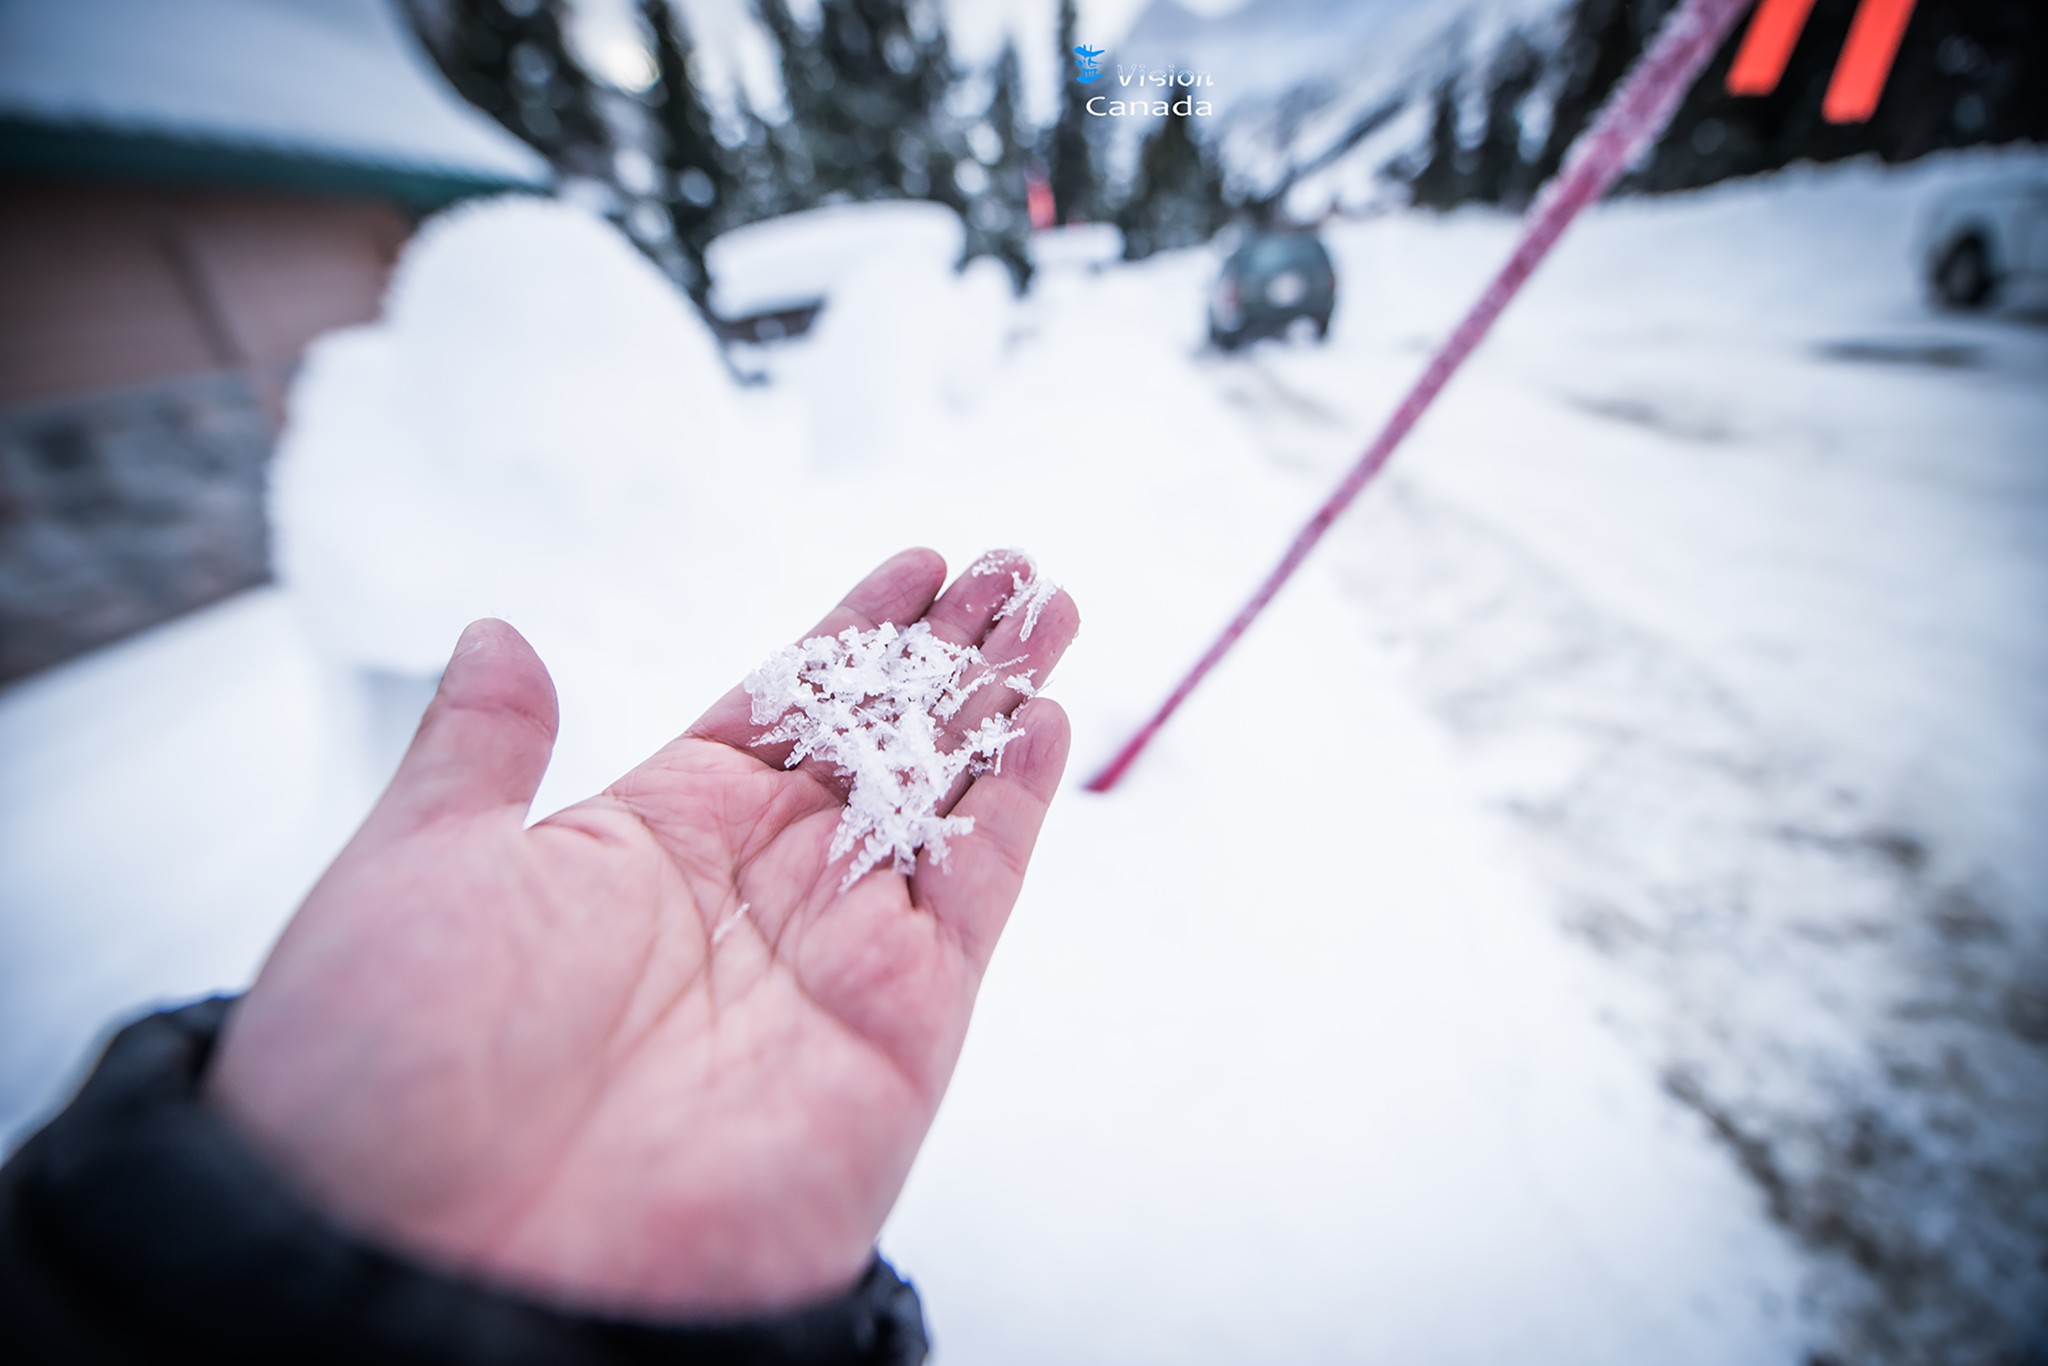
{"points": [[1726, 568], [1594, 917]]}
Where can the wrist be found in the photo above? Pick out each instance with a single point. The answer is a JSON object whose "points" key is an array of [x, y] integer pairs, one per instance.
{"points": [[621, 1237]]}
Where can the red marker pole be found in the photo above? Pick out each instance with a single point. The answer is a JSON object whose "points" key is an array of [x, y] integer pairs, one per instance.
{"points": [[1632, 118]]}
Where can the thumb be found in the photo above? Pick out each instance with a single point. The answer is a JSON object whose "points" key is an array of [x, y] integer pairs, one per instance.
{"points": [[486, 737]]}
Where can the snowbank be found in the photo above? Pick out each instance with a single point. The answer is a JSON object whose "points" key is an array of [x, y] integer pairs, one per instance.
{"points": [[800, 258], [540, 429], [897, 359], [538, 421]]}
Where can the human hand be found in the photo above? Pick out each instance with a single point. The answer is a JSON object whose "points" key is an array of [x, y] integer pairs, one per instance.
{"points": [[643, 1056]]}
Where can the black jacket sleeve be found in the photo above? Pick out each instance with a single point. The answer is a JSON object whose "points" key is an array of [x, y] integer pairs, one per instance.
{"points": [[138, 1227]]}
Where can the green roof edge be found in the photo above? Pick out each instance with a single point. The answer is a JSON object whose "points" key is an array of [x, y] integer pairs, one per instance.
{"points": [[87, 151]]}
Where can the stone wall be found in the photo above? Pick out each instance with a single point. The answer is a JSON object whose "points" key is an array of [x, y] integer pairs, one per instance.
{"points": [[120, 511]]}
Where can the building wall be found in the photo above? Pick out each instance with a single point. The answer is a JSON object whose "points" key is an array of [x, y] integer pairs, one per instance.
{"points": [[146, 340]]}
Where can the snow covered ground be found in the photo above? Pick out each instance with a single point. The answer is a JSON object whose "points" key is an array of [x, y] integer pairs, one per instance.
{"points": [[1597, 916]]}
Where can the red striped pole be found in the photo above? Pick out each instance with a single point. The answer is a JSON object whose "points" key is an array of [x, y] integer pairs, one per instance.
{"points": [[1631, 120]]}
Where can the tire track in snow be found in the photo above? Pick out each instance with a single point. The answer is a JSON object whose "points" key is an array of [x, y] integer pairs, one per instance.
{"points": [[1861, 1023], [1850, 1015]]}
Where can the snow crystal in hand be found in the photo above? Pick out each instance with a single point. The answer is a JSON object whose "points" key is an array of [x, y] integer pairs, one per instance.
{"points": [[725, 926], [1030, 590], [873, 704]]}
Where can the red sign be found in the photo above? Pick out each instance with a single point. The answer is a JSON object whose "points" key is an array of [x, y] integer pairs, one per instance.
{"points": [[1866, 62]]}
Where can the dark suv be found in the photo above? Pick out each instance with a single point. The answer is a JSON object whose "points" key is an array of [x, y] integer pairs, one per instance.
{"points": [[1272, 280]]}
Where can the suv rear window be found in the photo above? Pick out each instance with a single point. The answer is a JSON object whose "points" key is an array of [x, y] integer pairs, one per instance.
{"points": [[1271, 255]]}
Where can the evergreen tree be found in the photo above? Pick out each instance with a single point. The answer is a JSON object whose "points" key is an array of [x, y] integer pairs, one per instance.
{"points": [[1440, 182], [697, 184], [1501, 174], [1177, 196], [510, 59], [999, 212], [1602, 40], [866, 89], [777, 178], [770, 184], [1076, 195], [1967, 73]]}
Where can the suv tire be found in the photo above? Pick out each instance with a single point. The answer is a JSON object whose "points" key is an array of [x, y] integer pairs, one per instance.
{"points": [[1963, 278]]}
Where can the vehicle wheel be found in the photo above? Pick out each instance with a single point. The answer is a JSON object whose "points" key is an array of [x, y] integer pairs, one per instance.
{"points": [[1226, 342], [1963, 278], [1323, 328]]}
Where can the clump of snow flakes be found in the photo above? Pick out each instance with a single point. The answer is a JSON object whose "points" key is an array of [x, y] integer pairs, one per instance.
{"points": [[874, 704], [1030, 590]]}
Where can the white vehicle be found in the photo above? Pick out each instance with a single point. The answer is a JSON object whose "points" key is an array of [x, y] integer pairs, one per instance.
{"points": [[1987, 244]]}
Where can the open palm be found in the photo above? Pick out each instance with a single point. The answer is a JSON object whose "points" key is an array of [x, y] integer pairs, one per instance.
{"points": [[644, 1055]]}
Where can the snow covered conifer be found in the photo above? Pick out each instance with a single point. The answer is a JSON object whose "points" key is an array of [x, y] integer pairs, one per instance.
{"points": [[773, 179], [999, 212], [1076, 193], [1501, 174], [698, 183], [510, 59], [1177, 197], [866, 88], [1602, 40], [1440, 182]]}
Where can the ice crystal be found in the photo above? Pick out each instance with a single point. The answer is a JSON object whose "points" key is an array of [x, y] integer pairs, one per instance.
{"points": [[874, 704], [725, 927], [1030, 590]]}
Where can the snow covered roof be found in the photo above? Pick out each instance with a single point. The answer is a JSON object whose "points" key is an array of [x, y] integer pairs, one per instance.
{"points": [[342, 82]]}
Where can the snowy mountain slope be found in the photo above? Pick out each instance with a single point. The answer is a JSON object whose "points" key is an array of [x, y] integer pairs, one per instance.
{"points": [[1295, 79], [1366, 47]]}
